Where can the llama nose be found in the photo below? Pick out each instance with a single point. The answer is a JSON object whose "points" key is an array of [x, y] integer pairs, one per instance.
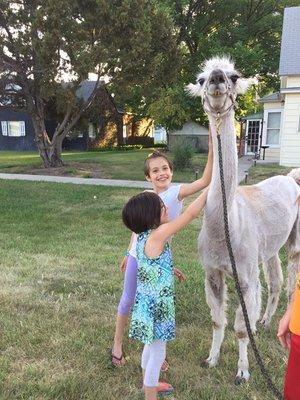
{"points": [[217, 77]]}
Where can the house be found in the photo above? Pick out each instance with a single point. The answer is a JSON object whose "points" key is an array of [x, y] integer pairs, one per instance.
{"points": [[160, 134], [16, 130], [280, 133], [192, 133], [107, 125]]}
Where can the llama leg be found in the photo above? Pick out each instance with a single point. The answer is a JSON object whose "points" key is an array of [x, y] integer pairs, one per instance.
{"points": [[251, 290], [215, 290], [274, 278]]}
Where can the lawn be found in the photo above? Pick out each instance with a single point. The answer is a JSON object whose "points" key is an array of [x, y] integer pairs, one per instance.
{"points": [[60, 285], [87, 164]]}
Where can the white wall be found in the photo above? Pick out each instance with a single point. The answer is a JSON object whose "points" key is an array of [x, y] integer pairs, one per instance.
{"points": [[191, 128], [292, 81], [273, 152], [290, 135]]}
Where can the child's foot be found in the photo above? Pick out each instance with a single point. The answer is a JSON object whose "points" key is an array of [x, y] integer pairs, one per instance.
{"points": [[164, 388]]}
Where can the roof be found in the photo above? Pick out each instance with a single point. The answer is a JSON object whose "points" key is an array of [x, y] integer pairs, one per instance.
{"points": [[271, 98], [86, 88], [290, 43]]}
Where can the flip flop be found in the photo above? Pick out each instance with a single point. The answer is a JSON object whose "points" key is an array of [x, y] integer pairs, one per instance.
{"points": [[164, 389]]}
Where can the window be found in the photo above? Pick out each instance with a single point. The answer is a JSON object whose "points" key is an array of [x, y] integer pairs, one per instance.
{"points": [[92, 131], [13, 128], [273, 128]]}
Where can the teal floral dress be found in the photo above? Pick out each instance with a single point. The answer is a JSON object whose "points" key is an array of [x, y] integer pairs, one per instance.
{"points": [[153, 314]]}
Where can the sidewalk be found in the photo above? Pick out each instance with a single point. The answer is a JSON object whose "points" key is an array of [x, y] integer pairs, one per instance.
{"points": [[77, 181], [244, 164]]}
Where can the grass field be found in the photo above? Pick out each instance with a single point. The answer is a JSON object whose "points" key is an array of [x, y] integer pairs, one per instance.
{"points": [[111, 164], [60, 284]]}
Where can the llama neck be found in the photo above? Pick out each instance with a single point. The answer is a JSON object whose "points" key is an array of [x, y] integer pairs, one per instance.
{"points": [[230, 162]]}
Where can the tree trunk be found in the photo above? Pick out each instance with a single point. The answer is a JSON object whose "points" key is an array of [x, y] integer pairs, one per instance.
{"points": [[55, 152], [41, 139], [50, 152], [119, 123]]}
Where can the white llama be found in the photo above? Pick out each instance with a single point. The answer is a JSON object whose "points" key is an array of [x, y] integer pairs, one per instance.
{"points": [[262, 218]]}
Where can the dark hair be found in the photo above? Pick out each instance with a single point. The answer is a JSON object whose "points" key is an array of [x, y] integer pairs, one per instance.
{"points": [[142, 212], [152, 156]]}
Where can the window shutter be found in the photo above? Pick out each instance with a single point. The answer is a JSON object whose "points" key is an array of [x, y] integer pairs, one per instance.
{"points": [[4, 128], [22, 128]]}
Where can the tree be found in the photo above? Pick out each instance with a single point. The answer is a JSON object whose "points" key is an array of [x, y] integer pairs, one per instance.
{"points": [[45, 41], [247, 30]]}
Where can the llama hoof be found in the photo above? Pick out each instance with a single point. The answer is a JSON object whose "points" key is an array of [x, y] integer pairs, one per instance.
{"points": [[209, 362], [239, 380], [204, 364], [265, 323], [241, 377]]}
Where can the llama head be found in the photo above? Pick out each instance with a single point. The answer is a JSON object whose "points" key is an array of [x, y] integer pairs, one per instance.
{"points": [[218, 85]]}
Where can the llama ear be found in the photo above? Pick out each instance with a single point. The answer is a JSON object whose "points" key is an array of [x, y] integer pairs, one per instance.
{"points": [[243, 84], [193, 90]]}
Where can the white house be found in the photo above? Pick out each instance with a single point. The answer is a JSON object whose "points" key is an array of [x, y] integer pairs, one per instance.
{"points": [[192, 133], [160, 134], [281, 121]]}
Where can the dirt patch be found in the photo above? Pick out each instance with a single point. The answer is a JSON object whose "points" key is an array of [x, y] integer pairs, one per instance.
{"points": [[74, 169]]}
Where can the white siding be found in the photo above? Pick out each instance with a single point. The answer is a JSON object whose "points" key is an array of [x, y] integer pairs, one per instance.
{"points": [[191, 128], [290, 136], [270, 106], [271, 154], [293, 81]]}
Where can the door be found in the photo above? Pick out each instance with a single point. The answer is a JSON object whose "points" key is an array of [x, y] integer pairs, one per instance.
{"points": [[253, 135]]}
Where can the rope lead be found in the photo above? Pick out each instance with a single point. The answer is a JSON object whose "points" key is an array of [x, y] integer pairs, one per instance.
{"points": [[258, 358]]}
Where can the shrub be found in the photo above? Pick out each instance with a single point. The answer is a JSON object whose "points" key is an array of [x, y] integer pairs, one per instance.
{"points": [[183, 154], [119, 148], [160, 145]]}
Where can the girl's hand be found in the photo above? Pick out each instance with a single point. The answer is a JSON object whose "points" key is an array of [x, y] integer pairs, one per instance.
{"points": [[123, 264], [283, 333], [179, 275]]}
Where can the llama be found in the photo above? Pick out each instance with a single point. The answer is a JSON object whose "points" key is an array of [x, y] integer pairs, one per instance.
{"points": [[262, 218]]}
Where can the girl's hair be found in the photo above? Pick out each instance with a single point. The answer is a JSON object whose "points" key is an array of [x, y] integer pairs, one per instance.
{"points": [[152, 156], [142, 212]]}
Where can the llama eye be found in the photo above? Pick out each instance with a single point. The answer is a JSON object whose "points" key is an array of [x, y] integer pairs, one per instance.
{"points": [[234, 78], [201, 81]]}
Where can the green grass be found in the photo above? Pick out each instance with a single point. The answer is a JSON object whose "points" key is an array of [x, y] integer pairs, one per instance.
{"points": [[60, 285], [113, 164], [262, 171]]}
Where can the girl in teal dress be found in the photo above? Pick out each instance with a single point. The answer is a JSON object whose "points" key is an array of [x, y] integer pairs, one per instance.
{"points": [[153, 314]]}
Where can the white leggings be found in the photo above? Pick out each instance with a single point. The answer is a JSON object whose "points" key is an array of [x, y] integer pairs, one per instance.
{"points": [[153, 357]]}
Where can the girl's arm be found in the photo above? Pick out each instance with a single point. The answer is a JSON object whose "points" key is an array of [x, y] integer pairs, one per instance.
{"points": [[204, 181], [160, 235], [123, 264], [283, 332]]}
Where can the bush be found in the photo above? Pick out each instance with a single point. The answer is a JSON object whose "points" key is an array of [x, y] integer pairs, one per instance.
{"points": [[160, 145], [183, 154], [119, 148]]}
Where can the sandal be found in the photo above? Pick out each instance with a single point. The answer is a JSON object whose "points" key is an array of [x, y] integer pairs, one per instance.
{"points": [[164, 388], [165, 366], [117, 361]]}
